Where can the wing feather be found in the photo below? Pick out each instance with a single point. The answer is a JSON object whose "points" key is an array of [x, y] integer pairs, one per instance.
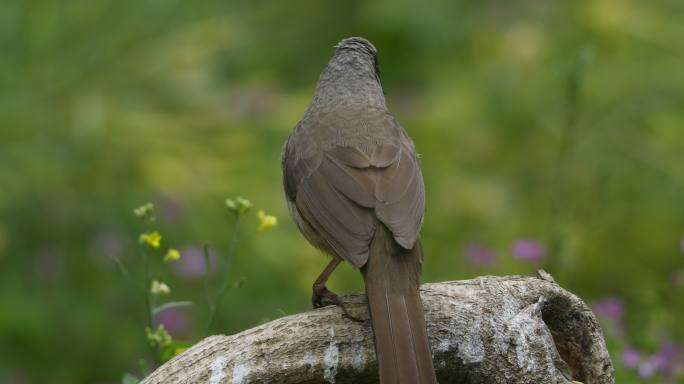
{"points": [[341, 190]]}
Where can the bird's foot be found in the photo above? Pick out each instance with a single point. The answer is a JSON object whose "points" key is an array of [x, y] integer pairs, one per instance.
{"points": [[323, 297]]}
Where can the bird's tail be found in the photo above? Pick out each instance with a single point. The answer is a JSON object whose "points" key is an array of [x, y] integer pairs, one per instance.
{"points": [[392, 277]]}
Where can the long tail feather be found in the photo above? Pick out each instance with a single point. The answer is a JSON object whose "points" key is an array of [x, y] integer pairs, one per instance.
{"points": [[392, 277]]}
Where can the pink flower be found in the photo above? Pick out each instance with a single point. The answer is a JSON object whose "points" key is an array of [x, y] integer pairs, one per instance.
{"points": [[528, 250], [647, 369], [191, 265], [175, 321], [667, 357], [611, 307], [631, 357], [479, 254]]}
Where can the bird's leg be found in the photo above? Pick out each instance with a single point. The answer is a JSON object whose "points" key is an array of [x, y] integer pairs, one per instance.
{"points": [[322, 296], [320, 291]]}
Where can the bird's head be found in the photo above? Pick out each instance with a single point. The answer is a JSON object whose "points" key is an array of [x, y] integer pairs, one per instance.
{"points": [[358, 46]]}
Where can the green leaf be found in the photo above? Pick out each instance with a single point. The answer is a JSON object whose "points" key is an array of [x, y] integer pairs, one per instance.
{"points": [[171, 304], [175, 348]]}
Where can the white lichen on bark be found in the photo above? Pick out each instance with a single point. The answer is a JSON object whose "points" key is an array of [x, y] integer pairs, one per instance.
{"points": [[240, 372], [216, 368], [331, 359]]}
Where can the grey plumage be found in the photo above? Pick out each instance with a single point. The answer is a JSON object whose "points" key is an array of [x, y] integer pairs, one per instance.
{"points": [[354, 187]]}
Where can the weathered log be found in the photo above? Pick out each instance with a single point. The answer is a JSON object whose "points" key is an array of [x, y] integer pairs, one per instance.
{"points": [[487, 330]]}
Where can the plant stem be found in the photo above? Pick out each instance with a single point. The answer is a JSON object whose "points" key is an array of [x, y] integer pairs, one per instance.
{"points": [[213, 307], [207, 266], [146, 289], [148, 301], [120, 264]]}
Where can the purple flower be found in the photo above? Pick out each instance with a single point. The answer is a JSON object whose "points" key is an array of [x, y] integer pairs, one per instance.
{"points": [[479, 254], [660, 362], [611, 307], [647, 369], [631, 357], [667, 357], [175, 321], [670, 350], [666, 362], [191, 263], [527, 250]]}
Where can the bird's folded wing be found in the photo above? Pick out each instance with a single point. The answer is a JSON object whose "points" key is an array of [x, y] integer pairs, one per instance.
{"points": [[341, 191]]}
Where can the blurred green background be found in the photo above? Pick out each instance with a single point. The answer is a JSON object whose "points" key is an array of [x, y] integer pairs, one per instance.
{"points": [[551, 136]]}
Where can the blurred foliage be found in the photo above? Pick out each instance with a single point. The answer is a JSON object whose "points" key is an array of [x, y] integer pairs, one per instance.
{"points": [[558, 122]]}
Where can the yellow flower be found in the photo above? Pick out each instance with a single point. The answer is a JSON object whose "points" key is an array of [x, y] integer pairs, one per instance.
{"points": [[171, 255], [159, 288], [266, 221], [153, 239]]}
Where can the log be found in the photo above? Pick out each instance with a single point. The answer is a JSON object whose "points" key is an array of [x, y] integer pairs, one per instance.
{"points": [[487, 330]]}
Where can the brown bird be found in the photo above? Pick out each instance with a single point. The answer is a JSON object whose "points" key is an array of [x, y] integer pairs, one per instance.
{"points": [[354, 187]]}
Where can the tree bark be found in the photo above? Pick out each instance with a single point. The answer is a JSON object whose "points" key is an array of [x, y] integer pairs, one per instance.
{"points": [[488, 330]]}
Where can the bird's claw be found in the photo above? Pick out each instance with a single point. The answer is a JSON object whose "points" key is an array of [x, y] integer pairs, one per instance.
{"points": [[323, 297]]}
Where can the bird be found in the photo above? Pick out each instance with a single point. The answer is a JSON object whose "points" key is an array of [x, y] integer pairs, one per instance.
{"points": [[354, 188]]}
